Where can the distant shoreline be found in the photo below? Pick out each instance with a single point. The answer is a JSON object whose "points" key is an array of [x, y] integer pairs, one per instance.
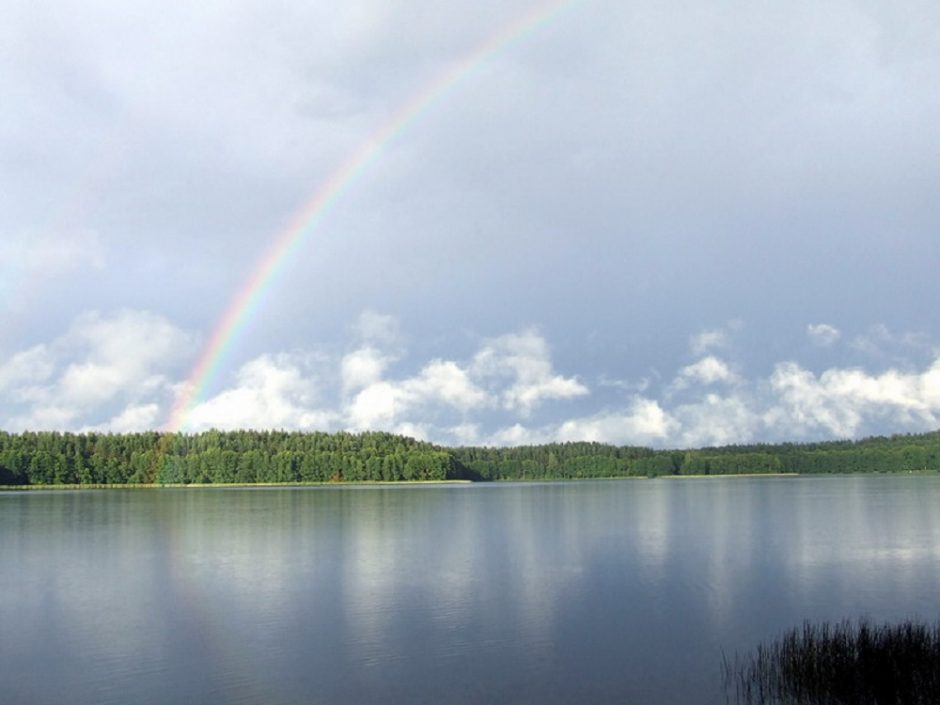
{"points": [[703, 476], [404, 483], [228, 485]]}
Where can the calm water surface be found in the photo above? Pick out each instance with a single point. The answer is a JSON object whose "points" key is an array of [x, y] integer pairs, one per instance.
{"points": [[593, 592]]}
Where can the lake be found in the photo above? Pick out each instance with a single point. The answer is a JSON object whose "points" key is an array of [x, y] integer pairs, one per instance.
{"points": [[582, 592]]}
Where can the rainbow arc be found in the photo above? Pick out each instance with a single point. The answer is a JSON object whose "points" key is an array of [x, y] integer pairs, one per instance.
{"points": [[248, 299]]}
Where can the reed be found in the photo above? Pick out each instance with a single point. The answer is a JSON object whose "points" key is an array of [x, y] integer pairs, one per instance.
{"points": [[844, 663]]}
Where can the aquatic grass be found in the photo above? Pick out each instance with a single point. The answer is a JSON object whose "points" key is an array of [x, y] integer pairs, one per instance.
{"points": [[844, 663]]}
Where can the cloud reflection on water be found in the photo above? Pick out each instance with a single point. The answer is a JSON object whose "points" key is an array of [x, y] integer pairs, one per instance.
{"points": [[556, 591]]}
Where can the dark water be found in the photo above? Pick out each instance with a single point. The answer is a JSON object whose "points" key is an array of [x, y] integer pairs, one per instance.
{"points": [[594, 592]]}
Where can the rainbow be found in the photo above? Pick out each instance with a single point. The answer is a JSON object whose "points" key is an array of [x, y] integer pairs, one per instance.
{"points": [[305, 221]]}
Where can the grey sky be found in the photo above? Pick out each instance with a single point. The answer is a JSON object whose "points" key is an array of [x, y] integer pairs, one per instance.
{"points": [[654, 222]]}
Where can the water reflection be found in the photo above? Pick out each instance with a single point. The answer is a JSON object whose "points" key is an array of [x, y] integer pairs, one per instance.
{"points": [[548, 593]]}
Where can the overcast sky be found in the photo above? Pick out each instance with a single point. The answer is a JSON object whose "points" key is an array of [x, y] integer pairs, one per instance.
{"points": [[649, 222]]}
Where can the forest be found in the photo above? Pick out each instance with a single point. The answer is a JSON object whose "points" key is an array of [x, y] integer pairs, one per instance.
{"points": [[247, 457]]}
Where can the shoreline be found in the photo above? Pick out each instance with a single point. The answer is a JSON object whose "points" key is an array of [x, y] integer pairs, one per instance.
{"points": [[702, 476], [400, 483], [226, 485]]}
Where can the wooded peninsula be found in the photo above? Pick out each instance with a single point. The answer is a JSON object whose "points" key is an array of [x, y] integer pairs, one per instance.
{"points": [[249, 457]]}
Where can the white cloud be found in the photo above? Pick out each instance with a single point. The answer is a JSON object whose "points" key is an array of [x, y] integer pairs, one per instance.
{"points": [[840, 402], [122, 355], [440, 382], [103, 360], [120, 372], [378, 329], [414, 430], [362, 367], [43, 417], [823, 334], [707, 371], [524, 359], [518, 435], [644, 421], [511, 373], [465, 434], [377, 406], [793, 403], [27, 368], [289, 391], [715, 420], [707, 340], [447, 382], [135, 417], [272, 391]]}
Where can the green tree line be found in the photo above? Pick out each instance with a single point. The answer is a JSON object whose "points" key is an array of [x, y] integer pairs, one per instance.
{"points": [[48, 458], [217, 457]]}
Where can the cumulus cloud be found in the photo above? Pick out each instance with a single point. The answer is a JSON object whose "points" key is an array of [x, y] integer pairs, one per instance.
{"points": [[124, 353], [707, 371], [509, 374], [717, 419], [362, 368], [823, 334], [793, 403], [103, 360], [378, 406], [844, 402], [440, 383], [643, 421], [518, 434], [133, 418], [271, 391], [465, 434], [524, 359], [27, 369]]}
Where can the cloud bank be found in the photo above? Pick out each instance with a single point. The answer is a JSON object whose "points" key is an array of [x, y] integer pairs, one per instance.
{"points": [[121, 372]]}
